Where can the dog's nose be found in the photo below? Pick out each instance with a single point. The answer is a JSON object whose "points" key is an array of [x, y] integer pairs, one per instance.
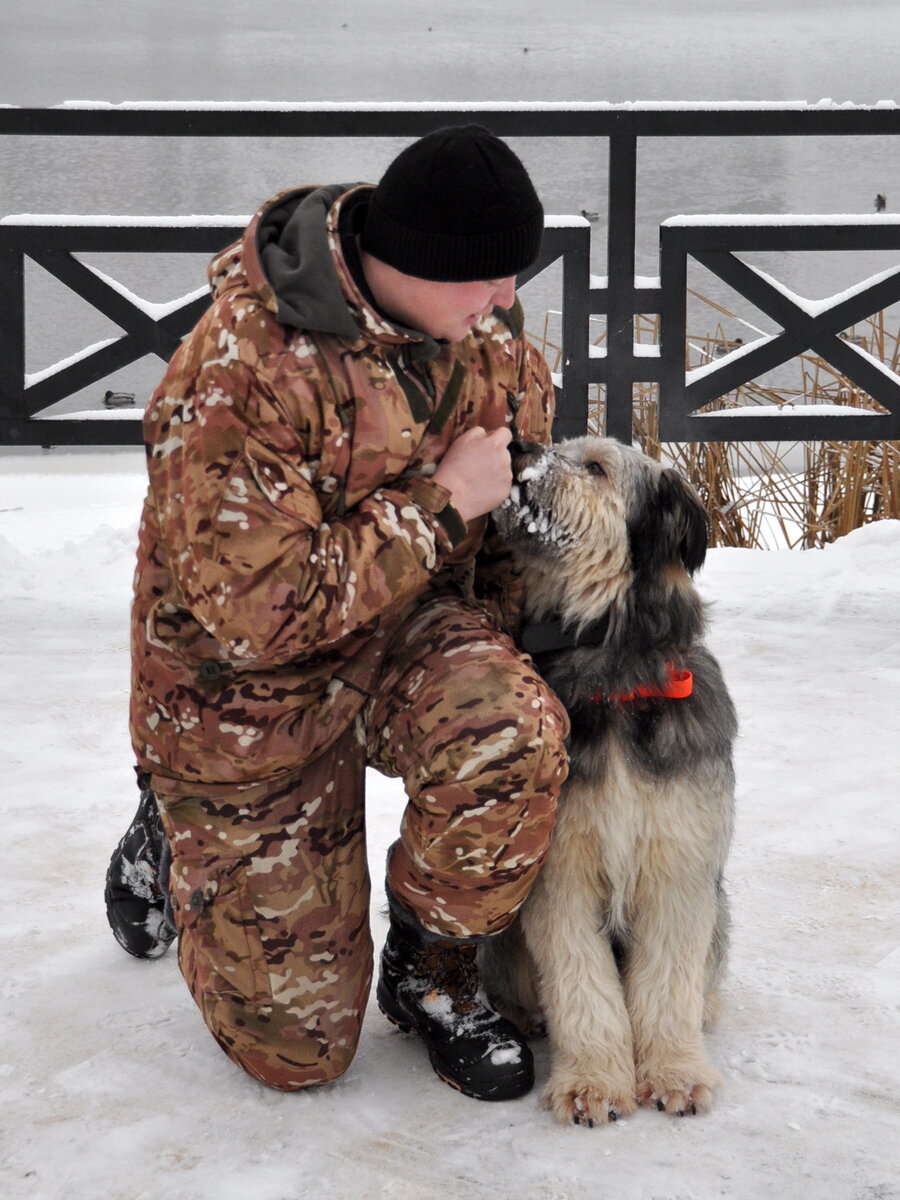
{"points": [[522, 453]]}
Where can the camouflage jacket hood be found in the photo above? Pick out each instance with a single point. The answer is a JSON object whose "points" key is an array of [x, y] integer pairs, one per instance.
{"points": [[290, 242], [291, 525], [288, 257]]}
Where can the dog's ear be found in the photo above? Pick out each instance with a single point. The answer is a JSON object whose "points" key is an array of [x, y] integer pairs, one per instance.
{"points": [[671, 526], [691, 521]]}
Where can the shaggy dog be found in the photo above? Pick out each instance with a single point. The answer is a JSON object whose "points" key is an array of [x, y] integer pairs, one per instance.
{"points": [[619, 948]]}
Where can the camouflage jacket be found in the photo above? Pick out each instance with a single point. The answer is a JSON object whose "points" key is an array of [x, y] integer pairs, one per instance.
{"points": [[290, 524]]}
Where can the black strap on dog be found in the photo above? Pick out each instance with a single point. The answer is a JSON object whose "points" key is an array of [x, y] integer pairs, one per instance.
{"points": [[513, 401], [539, 637]]}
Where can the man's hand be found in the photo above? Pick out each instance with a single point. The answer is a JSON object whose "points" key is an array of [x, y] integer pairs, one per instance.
{"points": [[477, 471]]}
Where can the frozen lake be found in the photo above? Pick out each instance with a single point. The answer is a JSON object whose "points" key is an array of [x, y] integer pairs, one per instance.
{"points": [[218, 50]]}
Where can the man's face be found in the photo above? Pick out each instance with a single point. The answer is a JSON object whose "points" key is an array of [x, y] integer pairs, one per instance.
{"points": [[445, 311]]}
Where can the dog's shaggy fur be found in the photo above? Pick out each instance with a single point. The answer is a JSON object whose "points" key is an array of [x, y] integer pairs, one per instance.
{"points": [[619, 948]]}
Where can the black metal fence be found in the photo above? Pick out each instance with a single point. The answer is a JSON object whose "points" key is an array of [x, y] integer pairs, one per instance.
{"points": [[712, 241]]}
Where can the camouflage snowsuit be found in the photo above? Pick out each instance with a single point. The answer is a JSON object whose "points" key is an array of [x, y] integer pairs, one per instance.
{"points": [[307, 603]]}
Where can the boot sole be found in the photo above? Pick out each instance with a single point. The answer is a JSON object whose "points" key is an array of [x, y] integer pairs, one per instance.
{"points": [[403, 1025]]}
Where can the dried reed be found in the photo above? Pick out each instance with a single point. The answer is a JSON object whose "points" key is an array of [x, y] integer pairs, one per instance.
{"points": [[768, 495]]}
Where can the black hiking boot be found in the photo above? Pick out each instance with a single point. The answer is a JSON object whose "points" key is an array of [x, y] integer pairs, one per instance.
{"points": [[431, 987], [137, 880]]}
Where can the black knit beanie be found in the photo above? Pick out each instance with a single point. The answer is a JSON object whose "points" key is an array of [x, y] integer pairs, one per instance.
{"points": [[455, 206]]}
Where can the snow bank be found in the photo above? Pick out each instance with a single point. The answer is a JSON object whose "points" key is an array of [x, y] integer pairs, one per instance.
{"points": [[111, 1086]]}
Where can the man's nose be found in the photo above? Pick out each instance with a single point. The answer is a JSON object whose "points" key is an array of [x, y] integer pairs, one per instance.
{"points": [[505, 292]]}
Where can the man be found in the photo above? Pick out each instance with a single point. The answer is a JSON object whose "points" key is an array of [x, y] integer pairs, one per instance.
{"points": [[315, 593]]}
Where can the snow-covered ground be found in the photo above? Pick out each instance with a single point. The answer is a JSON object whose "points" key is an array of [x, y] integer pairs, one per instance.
{"points": [[111, 1086]]}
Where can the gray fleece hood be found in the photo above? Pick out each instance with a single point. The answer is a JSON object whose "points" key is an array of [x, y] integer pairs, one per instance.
{"points": [[292, 246]]}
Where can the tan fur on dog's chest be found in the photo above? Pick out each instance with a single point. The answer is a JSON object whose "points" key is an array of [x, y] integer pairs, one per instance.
{"points": [[628, 831]]}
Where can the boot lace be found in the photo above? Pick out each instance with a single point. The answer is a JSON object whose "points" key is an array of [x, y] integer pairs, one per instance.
{"points": [[451, 970]]}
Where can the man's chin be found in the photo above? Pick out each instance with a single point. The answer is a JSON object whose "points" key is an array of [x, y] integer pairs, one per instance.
{"points": [[453, 333], [462, 330]]}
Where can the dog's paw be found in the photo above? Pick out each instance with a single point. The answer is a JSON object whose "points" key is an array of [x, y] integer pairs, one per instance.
{"points": [[679, 1099], [687, 1102], [587, 1103]]}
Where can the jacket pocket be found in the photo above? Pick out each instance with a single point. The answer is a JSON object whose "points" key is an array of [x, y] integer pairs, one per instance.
{"points": [[214, 909]]}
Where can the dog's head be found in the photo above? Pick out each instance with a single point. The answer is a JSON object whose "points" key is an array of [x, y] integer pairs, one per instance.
{"points": [[590, 518]]}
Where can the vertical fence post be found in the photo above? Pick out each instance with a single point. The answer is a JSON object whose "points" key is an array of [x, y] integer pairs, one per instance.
{"points": [[621, 297], [12, 343], [672, 326], [572, 411]]}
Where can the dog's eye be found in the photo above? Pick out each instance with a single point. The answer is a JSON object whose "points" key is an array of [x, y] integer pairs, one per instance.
{"points": [[594, 468]]}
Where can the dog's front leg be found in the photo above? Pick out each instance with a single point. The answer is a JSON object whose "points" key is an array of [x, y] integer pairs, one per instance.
{"points": [[671, 929], [591, 1059]]}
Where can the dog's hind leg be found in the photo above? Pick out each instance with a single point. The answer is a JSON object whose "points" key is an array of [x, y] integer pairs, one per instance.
{"points": [[717, 958], [507, 972]]}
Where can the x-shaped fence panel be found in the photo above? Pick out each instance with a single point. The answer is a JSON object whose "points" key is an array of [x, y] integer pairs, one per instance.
{"points": [[146, 329], [714, 242], [54, 244]]}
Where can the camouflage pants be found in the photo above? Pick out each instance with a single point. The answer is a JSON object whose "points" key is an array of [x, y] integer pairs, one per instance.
{"points": [[271, 890]]}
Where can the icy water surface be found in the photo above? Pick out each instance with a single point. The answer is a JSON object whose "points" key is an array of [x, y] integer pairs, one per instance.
{"points": [[610, 50]]}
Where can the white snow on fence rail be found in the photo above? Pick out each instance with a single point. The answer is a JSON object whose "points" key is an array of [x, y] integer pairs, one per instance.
{"points": [[710, 367], [815, 308], [38, 376], [118, 219], [155, 310], [792, 410], [469, 105], [764, 219], [96, 414]]}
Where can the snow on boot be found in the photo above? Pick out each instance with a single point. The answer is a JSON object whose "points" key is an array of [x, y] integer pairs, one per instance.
{"points": [[431, 987], [136, 883]]}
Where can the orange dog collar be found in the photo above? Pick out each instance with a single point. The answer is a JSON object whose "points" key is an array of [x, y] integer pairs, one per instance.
{"points": [[678, 686]]}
